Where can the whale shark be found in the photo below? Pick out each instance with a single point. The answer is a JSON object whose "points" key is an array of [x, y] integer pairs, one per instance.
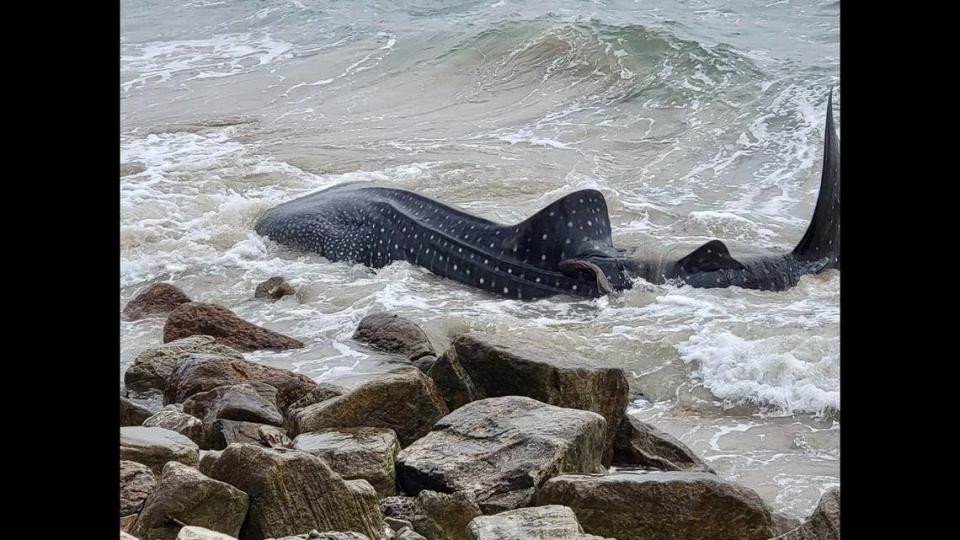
{"points": [[565, 248]]}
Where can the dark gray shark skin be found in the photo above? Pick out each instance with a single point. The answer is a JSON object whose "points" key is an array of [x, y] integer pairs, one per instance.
{"points": [[566, 248]]}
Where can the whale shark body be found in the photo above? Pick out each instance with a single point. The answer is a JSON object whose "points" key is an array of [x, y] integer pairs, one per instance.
{"points": [[566, 248]]}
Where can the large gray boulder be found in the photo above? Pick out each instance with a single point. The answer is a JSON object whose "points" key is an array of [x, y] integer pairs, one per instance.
{"points": [[661, 505], [152, 368], [501, 366], [239, 402], [154, 447], [132, 414], [292, 491], [640, 444], [364, 452], [223, 433], [498, 451], [823, 523], [536, 523], [404, 400], [184, 496]]}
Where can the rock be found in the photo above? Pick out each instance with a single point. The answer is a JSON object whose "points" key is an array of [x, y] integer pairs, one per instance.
{"points": [[197, 373], [404, 400], [443, 516], [823, 523], [498, 451], [127, 522], [785, 523], [207, 459], [186, 495], [407, 533], [239, 402], [173, 418], [424, 363], [125, 536], [329, 535], [197, 318], [129, 169], [498, 366], [640, 444], [322, 392], [132, 414], [275, 288], [137, 482], [200, 533], [223, 433], [553, 522], [292, 491], [154, 447], [397, 524], [394, 334], [152, 368], [157, 299], [362, 452], [398, 507], [654, 505], [453, 381]]}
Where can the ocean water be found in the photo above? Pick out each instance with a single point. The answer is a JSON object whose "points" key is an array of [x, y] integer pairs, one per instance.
{"points": [[695, 119]]}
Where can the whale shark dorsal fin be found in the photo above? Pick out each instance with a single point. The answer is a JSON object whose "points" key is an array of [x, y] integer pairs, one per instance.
{"points": [[563, 229], [710, 257], [821, 242]]}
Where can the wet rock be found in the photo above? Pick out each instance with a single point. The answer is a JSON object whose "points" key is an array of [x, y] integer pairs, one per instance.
{"points": [[223, 433], [453, 381], [823, 523], [239, 402], [362, 452], [443, 516], [394, 334], [187, 496], [292, 491], [404, 400], [642, 445], [137, 482], [655, 505], [152, 368], [197, 373], [322, 392], [197, 318], [131, 168], [786, 523], [424, 363], [125, 536], [275, 288], [132, 414], [500, 366], [553, 522], [498, 451], [173, 418], [154, 447], [157, 299], [200, 533]]}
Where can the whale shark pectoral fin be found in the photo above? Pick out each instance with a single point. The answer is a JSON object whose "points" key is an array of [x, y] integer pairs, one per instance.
{"points": [[710, 257], [572, 267]]}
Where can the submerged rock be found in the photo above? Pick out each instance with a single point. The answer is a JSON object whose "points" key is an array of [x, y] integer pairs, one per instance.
{"points": [[154, 447], [498, 451], [404, 400], [187, 496], [655, 505], [553, 522], [394, 334], [640, 444], [292, 491], [152, 368], [197, 318], [275, 288], [137, 482], [157, 299], [499, 366], [362, 452]]}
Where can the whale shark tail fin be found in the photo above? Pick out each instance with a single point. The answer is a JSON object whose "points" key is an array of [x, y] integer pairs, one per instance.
{"points": [[821, 243]]}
